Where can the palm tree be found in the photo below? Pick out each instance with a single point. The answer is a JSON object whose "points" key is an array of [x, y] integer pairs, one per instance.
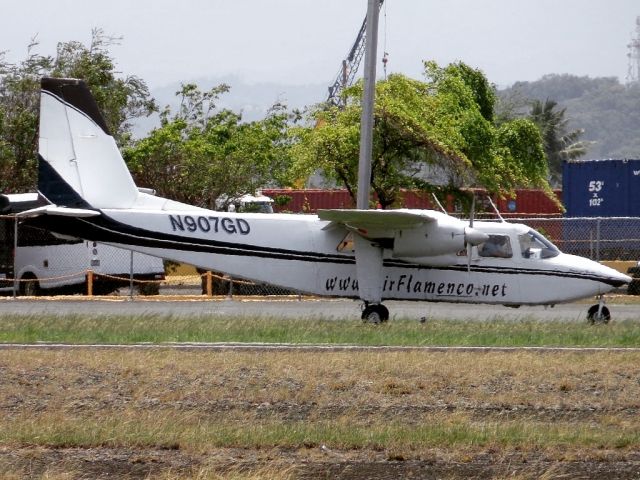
{"points": [[559, 145]]}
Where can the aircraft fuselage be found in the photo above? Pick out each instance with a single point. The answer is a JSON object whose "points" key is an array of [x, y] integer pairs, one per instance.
{"points": [[300, 253]]}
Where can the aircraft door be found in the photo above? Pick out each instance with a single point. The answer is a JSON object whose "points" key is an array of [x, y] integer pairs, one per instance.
{"points": [[496, 265]]}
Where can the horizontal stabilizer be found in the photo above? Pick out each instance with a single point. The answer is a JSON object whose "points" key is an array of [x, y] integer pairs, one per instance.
{"points": [[379, 219], [60, 211]]}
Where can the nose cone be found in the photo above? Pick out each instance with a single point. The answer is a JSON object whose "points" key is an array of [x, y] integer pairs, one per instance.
{"points": [[610, 276], [599, 278], [619, 279]]}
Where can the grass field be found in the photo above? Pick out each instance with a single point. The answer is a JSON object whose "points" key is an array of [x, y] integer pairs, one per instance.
{"points": [[161, 329], [297, 406], [254, 415]]}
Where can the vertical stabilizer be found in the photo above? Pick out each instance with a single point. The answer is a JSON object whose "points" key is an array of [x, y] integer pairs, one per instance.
{"points": [[79, 162]]}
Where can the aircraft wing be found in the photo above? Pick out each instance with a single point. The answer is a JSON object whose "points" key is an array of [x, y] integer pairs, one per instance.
{"points": [[363, 220]]}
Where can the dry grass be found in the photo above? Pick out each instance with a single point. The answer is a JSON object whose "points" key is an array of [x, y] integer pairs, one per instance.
{"points": [[82, 380], [314, 387], [47, 465]]}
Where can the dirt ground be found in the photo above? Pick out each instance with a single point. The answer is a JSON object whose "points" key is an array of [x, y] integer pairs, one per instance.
{"points": [[49, 388], [107, 463]]}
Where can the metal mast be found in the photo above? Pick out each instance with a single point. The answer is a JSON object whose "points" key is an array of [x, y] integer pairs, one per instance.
{"points": [[350, 64], [633, 72], [368, 97]]}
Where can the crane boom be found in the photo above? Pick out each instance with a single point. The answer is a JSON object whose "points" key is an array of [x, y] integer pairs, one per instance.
{"points": [[350, 64]]}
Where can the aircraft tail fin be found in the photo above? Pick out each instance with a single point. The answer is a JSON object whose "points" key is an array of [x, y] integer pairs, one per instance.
{"points": [[79, 165]]}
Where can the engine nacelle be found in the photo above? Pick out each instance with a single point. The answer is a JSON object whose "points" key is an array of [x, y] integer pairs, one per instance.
{"points": [[428, 240]]}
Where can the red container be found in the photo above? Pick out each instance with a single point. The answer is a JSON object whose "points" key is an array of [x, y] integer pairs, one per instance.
{"points": [[527, 202], [309, 200], [530, 202]]}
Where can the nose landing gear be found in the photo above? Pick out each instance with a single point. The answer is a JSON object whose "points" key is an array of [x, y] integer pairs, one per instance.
{"points": [[598, 313]]}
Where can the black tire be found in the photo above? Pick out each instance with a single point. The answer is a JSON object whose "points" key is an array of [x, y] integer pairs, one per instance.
{"points": [[593, 317], [634, 287], [376, 313], [149, 288], [29, 286], [103, 288]]}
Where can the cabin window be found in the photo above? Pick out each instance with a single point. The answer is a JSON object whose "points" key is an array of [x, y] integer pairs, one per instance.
{"points": [[36, 237], [533, 245], [498, 246]]}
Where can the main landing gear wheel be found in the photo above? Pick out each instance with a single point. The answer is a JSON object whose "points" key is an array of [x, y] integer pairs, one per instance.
{"points": [[376, 313], [29, 286], [594, 317]]}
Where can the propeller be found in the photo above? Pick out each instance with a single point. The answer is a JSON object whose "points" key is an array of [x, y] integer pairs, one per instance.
{"points": [[473, 237], [470, 227]]}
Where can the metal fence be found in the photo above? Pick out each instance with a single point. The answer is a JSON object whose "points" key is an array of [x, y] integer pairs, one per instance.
{"points": [[36, 262], [44, 264], [600, 239]]}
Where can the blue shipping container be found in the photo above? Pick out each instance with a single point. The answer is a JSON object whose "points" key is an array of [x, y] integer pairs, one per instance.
{"points": [[601, 188]]}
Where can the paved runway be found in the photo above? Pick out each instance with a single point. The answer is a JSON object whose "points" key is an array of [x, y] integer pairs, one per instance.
{"points": [[293, 308]]}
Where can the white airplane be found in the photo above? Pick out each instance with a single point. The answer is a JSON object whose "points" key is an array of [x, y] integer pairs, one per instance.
{"points": [[368, 254]]}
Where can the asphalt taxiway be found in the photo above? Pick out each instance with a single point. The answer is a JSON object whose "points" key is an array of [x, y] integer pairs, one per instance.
{"points": [[295, 308]]}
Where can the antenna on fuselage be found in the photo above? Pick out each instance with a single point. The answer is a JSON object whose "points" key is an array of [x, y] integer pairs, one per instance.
{"points": [[435, 198], [496, 209]]}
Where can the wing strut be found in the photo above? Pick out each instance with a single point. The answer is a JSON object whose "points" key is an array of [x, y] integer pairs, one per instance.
{"points": [[368, 270]]}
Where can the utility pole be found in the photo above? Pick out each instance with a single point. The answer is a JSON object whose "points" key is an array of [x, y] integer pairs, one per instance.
{"points": [[633, 72], [368, 98]]}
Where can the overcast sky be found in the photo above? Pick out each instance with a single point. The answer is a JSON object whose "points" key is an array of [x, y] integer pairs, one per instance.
{"points": [[303, 41]]}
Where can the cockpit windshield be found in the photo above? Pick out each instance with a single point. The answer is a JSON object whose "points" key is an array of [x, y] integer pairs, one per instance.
{"points": [[534, 245]]}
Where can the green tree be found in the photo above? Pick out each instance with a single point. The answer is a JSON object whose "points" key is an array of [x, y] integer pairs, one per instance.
{"points": [[559, 143], [482, 90], [120, 100], [19, 103], [433, 134], [201, 153]]}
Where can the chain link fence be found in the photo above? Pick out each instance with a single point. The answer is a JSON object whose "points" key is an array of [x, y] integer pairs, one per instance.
{"points": [[600, 239], [37, 262], [40, 263]]}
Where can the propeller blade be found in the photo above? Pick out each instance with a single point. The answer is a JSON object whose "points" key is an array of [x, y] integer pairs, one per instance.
{"points": [[473, 210], [473, 237]]}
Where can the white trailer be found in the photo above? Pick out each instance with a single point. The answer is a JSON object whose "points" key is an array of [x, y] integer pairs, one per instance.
{"points": [[44, 263]]}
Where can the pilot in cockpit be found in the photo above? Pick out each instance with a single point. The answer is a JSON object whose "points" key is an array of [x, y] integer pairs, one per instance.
{"points": [[496, 246]]}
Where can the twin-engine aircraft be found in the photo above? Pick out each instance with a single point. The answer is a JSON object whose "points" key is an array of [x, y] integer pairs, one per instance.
{"points": [[373, 255]]}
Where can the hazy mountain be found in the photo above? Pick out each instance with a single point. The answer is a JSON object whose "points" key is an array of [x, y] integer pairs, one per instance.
{"points": [[252, 100], [608, 111]]}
